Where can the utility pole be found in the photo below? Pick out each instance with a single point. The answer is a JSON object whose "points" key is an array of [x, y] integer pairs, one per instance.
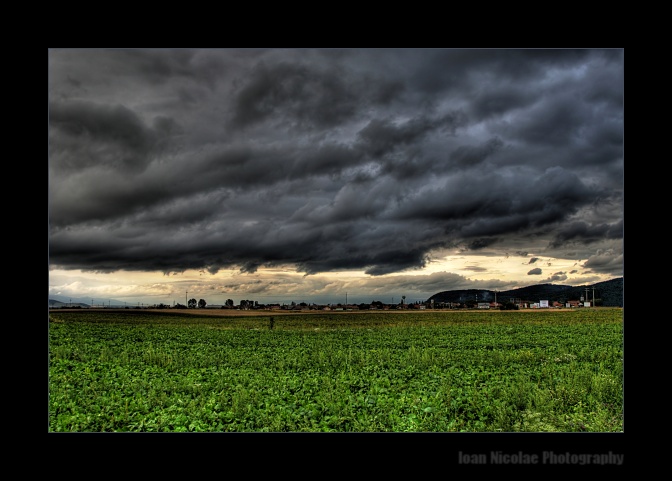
{"points": [[593, 297], [186, 304], [586, 293]]}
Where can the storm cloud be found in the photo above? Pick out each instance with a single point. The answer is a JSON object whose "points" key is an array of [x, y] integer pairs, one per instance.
{"points": [[333, 159]]}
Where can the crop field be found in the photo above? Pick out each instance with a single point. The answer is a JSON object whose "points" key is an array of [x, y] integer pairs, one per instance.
{"points": [[370, 371]]}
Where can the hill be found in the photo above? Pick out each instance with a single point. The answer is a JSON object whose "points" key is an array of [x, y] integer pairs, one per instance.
{"points": [[55, 303], [56, 300], [608, 294]]}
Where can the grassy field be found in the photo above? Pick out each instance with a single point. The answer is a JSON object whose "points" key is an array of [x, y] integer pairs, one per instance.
{"points": [[370, 371]]}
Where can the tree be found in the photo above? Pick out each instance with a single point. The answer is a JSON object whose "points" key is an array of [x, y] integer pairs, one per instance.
{"points": [[192, 303], [201, 303], [229, 303], [508, 306]]}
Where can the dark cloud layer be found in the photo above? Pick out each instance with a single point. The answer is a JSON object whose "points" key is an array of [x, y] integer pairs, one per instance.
{"points": [[332, 159]]}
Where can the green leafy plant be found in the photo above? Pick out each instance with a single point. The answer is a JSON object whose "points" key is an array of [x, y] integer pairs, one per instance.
{"points": [[500, 371]]}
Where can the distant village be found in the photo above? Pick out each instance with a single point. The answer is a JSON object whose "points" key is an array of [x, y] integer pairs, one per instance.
{"points": [[506, 304], [377, 305]]}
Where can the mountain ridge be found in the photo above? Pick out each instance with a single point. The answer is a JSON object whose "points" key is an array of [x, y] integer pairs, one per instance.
{"points": [[608, 293]]}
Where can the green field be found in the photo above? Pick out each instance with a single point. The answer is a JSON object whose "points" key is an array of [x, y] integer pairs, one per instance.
{"points": [[434, 371]]}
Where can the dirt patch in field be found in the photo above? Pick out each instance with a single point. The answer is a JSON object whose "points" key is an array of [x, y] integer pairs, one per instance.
{"points": [[237, 312], [199, 312]]}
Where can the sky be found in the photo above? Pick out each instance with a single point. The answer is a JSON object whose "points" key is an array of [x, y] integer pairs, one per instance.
{"points": [[326, 175]]}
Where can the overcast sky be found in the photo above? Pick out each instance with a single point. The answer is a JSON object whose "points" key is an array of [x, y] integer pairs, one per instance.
{"points": [[286, 175]]}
